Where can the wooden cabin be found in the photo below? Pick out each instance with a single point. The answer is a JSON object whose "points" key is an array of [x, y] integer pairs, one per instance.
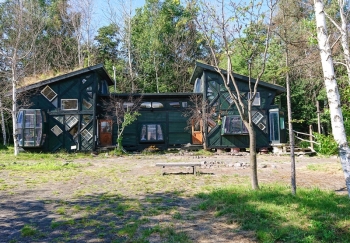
{"points": [[67, 113], [225, 128]]}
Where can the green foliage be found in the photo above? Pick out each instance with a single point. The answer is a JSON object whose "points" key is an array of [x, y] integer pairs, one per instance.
{"points": [[278, 216], [326, 146]]}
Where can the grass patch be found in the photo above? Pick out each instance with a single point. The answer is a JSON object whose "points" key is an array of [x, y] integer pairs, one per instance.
{"points": [[28, 231], [277, 216]]}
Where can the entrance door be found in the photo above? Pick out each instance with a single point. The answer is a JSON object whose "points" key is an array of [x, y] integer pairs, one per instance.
{"points": [[197, 134], [105, 131], [274, 126]]}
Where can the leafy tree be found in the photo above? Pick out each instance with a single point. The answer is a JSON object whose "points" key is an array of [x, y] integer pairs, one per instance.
{"points": [[165, 42]]}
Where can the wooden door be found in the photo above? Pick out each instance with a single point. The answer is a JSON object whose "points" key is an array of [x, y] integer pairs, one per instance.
{"points": [[105, 131], [197, 132]]}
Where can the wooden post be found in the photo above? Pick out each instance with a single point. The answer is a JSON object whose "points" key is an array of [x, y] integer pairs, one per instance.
{"points": [[310, 136], [318, 116]]}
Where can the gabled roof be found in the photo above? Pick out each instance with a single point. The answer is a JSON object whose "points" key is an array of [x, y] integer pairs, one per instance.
{"points": [[99, 68], [201, 67]]}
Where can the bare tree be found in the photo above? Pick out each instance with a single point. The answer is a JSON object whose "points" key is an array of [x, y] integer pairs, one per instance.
{"points": [[343, 30], [81, 19], [220, 26], [333, 96], [21, 23]]}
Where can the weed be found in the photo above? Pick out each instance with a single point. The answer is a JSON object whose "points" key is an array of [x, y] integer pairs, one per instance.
{"points": [[28, 230]]}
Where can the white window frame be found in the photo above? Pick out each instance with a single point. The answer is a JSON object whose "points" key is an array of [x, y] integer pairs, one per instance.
{"points": [[57, 130], [51, 91], [63, 100]]}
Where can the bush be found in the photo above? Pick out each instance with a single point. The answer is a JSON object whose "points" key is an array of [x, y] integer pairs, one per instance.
{"points": [[326, 146]]}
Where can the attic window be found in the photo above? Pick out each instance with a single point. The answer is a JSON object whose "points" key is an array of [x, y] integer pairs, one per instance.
{"points": [[69, 104], [48, 93]]}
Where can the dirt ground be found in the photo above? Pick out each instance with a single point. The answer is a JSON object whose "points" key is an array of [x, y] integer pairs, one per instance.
{"points": [[85, 205]]}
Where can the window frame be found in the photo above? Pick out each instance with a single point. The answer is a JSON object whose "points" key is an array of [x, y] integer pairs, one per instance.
{"points": [[73, 109], [151, 130]]}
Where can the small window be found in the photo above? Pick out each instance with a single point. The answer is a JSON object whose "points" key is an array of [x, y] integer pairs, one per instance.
{"points": [[86, 134], [198, 87], [257, 117], [233, 125], [127, 105], [228, 98], [48, 93], [71, 121], [56, 130], [175, 104], [69, 104], [184, 104], [256, 101], [151, 133]]}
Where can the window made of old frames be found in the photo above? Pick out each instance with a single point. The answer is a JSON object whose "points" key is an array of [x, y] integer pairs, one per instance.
{"points": [[256, 101], [29, 128]]}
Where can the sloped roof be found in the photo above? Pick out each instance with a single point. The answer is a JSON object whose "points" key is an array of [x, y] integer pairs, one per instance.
{"points": [[200, 67], [99, 68]]}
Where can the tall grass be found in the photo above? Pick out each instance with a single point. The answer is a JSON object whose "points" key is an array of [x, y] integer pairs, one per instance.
{"points": [[277, 216]]}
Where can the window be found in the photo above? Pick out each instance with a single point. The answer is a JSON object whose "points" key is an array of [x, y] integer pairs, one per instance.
{"points": [[48, 93], [69, 104], [56, 130], [86, 134], [151, 105], [228, 98], [257, 117], [151, 132], [256, 101], [198, 87], [175, 104], [71, 121], [233, 125], [29, 128]]}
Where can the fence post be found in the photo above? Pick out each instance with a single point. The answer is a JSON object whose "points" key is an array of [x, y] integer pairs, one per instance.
{"points": [[311, 141]]}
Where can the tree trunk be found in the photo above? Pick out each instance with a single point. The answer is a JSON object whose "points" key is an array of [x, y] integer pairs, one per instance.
{"points": [[252, 158], [332, 91], [3, 127], [14, 112]]}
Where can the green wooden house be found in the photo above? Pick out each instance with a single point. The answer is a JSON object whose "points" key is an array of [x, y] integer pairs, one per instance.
{"points": [[68, 113], [62, 111], [225, 128]]}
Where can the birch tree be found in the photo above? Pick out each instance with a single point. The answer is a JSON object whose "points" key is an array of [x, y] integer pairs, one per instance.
{"points": [[21, 23], [222, 26], [331, 86], [343, 30]]}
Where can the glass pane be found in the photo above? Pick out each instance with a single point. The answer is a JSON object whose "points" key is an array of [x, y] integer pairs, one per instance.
{"points": [[20, 137], [274, 129], [159, 133], [28, 120], [143, 133], [151, 132], [106, 127], [20, 119], [28, 137]]}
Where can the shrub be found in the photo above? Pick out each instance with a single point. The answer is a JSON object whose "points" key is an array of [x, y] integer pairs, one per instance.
{"points": [[326, 146]]}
